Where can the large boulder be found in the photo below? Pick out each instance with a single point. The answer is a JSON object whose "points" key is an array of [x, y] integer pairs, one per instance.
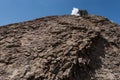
{"points": [[60, 48]]}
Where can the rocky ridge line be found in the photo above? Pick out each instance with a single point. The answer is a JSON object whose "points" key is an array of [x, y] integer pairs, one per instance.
{"points": [[60, 48]]}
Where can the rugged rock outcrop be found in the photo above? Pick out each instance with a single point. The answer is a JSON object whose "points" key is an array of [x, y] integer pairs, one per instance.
{"points": [[60, 48]]}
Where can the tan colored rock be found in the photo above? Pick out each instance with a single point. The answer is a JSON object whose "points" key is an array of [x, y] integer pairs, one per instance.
{"points": [[60, 48]]}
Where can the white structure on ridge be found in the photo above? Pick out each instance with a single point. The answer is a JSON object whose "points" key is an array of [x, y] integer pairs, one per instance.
{"points": [[75, 12], [78, 12]]}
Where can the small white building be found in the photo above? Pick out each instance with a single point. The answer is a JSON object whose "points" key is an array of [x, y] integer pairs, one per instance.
{"points": [[75, 12]]}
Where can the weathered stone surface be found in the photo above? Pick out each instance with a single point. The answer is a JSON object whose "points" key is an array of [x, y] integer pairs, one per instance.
{"points": [[60, 48]]}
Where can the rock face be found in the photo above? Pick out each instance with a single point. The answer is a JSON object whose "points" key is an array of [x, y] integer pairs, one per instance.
{"points": [[60, 48]]}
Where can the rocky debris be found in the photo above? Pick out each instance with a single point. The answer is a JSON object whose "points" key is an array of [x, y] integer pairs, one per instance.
{"points": [[60, 48]]}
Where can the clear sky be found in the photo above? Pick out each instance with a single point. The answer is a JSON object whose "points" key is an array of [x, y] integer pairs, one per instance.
{"points": [[12, 11]]}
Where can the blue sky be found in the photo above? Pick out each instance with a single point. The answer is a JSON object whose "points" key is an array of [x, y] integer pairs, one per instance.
{"points": [[12, 11]]}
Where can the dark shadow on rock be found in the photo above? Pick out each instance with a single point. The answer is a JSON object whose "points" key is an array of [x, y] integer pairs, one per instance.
{"points": [[89, 59]]}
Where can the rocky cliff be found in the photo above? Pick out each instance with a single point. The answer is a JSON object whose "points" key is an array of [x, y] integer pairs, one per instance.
{"points": [[60, 48]]}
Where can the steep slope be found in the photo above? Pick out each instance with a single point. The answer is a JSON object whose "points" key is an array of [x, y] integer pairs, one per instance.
{"points": [[60, 48]]}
